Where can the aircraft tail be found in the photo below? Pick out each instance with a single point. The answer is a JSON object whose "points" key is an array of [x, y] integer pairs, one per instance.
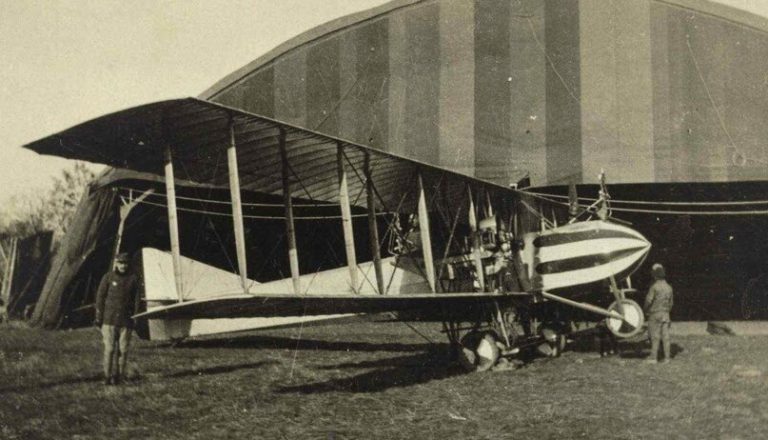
{"points": [[200, 281]]}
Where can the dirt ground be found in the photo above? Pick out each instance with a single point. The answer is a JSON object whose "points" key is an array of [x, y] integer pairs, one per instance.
{"points": [[375, 380]]}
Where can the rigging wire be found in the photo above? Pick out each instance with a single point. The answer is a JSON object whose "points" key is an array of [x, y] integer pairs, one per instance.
{"points": [[260, 217], [550, 198], [222, 202], [647, 202], [709, 94], [662, 211]]}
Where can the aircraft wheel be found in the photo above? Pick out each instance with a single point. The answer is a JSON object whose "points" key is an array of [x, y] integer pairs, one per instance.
{"points": [[633, 318], [478, 351], [554, 342]]}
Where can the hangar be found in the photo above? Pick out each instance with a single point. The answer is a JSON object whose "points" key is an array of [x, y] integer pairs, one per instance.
{"points": [[669, 96], [654, 90]]}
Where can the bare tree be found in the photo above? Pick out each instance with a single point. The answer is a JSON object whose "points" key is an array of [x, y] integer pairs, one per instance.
{"points": [[48, 211], [64, 196], [26, 215]]}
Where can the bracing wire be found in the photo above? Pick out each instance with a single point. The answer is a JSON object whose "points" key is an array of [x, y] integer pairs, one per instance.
{"points": [[259, 205], [649, 202], [661, 211], [259, 217]]}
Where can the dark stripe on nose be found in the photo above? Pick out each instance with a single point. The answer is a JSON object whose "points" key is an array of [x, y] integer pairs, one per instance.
{"points": [[584, 262], [592, 234]]}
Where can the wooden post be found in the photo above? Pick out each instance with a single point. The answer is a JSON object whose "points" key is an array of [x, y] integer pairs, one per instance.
{"points": [[237, 207], [125, 211], [11, 273], [10, 268], [476, 256], [293, 255], [6, 262], [426, 241], [173, 221], [346, 219], [14, 258], [373, 231]]}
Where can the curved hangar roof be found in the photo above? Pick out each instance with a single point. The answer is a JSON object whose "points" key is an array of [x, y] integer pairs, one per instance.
{"points": [[652, 90]]}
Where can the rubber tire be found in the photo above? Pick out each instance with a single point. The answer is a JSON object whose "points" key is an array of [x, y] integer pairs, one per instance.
{"points": [[638, 311], [478, 351], [552, 348]]}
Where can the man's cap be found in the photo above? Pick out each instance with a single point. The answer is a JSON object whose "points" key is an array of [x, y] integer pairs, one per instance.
{"points": [[122, 258], [657, 270]]}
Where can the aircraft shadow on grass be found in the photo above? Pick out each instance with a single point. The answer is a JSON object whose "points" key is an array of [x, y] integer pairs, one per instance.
{"points": [[271, 342], [626, 349], [422, 363], [401, 371], [48, 385], [635, 350], [221, 369]]}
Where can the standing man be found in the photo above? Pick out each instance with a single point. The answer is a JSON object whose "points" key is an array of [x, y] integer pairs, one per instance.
{"points": [[658, 304], [116, 301]]}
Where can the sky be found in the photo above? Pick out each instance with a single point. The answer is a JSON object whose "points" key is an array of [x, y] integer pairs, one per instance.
{"points": [[66, 61]]}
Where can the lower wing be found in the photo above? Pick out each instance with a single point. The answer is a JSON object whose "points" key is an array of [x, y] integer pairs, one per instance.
{"points": [[272, 305]]}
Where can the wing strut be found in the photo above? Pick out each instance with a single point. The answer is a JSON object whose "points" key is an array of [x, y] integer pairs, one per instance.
{"points": [[173, 220], [476, 256], [373, 231], [346, 219], [237, 207], [583, 306], [293, 255], [426, 240]]}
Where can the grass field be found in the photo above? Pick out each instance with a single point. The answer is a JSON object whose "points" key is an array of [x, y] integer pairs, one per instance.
{"points": [[375, 380]]}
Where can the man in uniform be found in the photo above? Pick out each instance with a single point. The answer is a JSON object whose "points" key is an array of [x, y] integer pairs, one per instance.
{"points": [[116, 301], [658, 304]]}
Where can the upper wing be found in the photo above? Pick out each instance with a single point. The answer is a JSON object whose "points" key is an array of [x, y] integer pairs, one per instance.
{"points": [[198, 133], [238, 306]]}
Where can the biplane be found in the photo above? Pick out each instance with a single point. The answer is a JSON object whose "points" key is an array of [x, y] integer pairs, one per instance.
{"points": [[438, 246]]}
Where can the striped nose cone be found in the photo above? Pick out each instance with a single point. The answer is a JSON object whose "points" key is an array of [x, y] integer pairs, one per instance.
{"points": [[587, 252]]}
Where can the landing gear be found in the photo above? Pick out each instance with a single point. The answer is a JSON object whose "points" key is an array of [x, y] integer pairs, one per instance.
{"points": [[505, 330], [479, 351], [554, 340], [631, 313], [632, 322], [492, 335]]}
